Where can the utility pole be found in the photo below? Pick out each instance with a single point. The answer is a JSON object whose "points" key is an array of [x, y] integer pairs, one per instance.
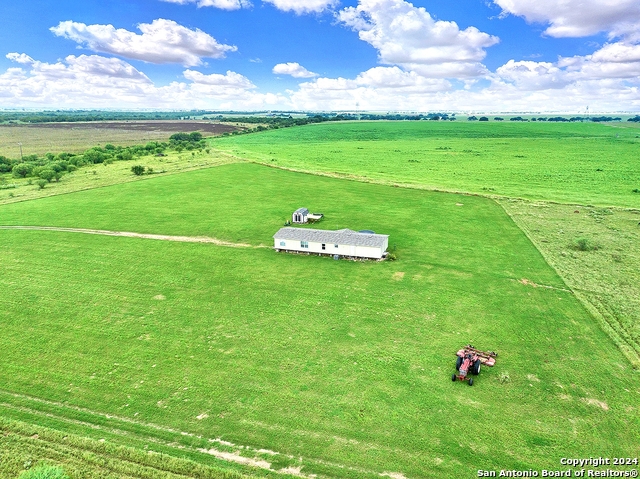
{"points": [[20, 145]]}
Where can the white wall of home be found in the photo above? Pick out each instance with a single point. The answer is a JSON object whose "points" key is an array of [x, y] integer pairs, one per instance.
{"points": [[330, 248], [299, 218]]}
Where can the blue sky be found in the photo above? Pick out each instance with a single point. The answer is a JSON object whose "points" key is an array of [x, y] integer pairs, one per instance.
{"points": [[422, 55]]}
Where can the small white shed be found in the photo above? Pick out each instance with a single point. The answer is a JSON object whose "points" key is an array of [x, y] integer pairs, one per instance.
{"points": [[300, 215], [344, 242]]}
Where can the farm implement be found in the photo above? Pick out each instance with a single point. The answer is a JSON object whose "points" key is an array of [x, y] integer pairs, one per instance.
{"points": [[470, 360]]}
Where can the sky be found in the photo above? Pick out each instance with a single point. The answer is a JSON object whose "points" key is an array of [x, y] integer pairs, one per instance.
{"points": [[322, 55]]}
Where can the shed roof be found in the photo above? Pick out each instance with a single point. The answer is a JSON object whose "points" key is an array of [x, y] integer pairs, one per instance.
{"points": [[303, 211], [343, 237]]}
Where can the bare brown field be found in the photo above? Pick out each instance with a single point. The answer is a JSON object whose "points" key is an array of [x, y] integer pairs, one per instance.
{"points": [[76, 137]]}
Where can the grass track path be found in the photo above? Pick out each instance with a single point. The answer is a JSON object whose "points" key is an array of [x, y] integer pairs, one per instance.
{"points": [[117, 425], [182, 239]]}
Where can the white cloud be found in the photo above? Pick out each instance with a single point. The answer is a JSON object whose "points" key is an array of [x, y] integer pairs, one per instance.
{"points": [[408, 36], [162, 41], [617, 53], [607, 80], [377, 88], [93, 81], [294, 69], [222, 4], [230, 80], [529, 75], [579, 18], [20, 58], [300, 7], [614, 61]]}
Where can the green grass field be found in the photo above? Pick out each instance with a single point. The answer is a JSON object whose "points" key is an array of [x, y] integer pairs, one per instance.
{"points": [[14, 190], [578, 162], [606, 278], [341, 368], [595, 165]]}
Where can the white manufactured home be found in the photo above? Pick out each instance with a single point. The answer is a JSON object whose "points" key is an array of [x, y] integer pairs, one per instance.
{"points": [[341, 242]]}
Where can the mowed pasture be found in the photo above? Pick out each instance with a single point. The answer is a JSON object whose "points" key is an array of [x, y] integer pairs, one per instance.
{"points": [[605, 275], [583, 163], [76, 137], [592, 165], [341, 368]]}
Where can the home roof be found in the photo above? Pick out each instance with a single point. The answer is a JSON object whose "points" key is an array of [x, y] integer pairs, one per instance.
{"points": [[343, 237], [303, 211]]}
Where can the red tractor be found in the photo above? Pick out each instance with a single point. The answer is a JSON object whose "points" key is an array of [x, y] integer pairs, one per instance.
{"points": [[469, 361]]}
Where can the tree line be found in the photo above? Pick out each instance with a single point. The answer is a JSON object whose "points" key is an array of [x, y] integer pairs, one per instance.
{"points": [[272, 120], [95, 115], [596, 119], [50, 167]]}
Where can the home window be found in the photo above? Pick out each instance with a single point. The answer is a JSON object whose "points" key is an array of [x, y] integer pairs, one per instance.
{"points": [[282, 243], [304, 244], [335, 245], [324, 247]]}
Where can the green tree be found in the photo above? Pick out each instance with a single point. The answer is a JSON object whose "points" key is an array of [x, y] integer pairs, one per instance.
{"points": [[5, 164], [137, 170], [47, 174], [22, 170], [94, 156], [179, 137]]}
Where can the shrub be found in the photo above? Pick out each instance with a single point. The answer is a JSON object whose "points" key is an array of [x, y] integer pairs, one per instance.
{"points": [[179, 137], [41, 184], [47, 174], [22, 170], [94, 156], [44, 472], [126, 156], [584, 244], [635, 190], [392, 257], [64, 156], [137, 170]]}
